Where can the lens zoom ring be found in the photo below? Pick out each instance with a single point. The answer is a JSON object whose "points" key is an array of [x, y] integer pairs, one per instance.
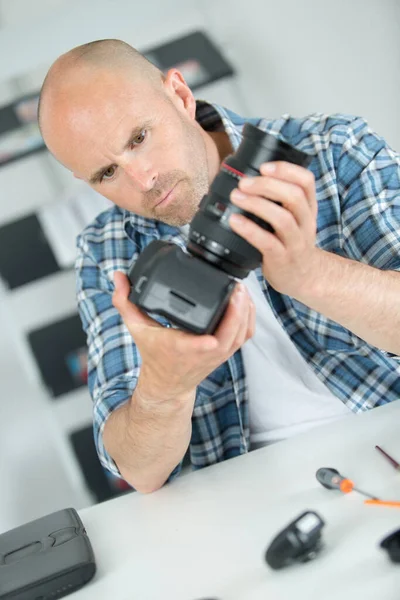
{"points": [[227, 238]]}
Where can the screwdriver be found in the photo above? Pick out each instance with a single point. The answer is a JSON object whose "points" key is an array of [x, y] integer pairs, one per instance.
{"points": [[333, 480]]}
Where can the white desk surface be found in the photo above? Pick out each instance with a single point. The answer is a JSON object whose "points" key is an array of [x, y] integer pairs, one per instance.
{"points": [[205, 534]]}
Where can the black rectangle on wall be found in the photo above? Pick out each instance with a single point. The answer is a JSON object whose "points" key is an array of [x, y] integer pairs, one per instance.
{"points": [[60, 352], [195, 55], [25, 254], [8, 119]]}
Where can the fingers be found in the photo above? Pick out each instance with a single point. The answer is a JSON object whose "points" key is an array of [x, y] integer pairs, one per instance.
{"points": [[291, 197], [291, 185], [185, 343], [243, 332], [282, 221], [131, 314], [258, 237], [251, 323], [294, 174], [237, 325], [227, 329], [232, 330]]}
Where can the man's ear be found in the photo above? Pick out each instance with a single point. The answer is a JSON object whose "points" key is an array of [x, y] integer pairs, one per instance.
{"points": [[77, 176], [180, 93]]}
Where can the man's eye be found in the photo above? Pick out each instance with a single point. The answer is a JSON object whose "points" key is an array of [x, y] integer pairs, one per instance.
{"points": [[108, 173], [139, 138]]}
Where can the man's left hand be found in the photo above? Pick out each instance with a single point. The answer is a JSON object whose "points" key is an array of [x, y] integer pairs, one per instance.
{"points": [[290, 257]]}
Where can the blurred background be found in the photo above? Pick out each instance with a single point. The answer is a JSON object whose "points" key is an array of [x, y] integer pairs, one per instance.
{"points": [[257, 57]]}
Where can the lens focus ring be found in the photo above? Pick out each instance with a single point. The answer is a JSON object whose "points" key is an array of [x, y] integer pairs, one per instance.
{"points": [[223, 237]]}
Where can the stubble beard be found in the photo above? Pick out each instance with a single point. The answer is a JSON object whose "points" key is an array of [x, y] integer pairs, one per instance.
{"points": [[183, 208], [190, 189]]}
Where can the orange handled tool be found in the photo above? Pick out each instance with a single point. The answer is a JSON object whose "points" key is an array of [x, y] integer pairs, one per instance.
{"points": [[333, 480], [393, 503]]}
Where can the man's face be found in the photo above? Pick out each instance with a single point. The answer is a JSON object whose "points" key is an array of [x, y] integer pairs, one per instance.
{"points": [[136, 145]]}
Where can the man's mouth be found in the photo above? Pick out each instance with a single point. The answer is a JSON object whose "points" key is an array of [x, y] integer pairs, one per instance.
{"points": [[166, 197]]}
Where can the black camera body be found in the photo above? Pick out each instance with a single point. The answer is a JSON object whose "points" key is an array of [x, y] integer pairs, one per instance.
{"points": [[189, 292], [192, 288]]}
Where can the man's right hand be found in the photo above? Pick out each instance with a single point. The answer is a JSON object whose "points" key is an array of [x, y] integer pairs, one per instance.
{"points": [[174, 362]]}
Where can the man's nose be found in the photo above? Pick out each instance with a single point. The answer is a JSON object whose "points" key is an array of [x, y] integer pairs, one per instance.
{"points": [[143, 175]]}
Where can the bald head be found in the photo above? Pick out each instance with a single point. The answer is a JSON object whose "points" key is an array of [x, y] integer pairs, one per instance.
{"points": [[83, 66], [116, 122], [108, 54]]}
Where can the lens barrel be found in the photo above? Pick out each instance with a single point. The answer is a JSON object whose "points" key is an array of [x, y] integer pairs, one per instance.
{"points": [[210, 235]]}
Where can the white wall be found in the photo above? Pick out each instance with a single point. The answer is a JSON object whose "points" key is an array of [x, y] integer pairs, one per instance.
{"points": [[316, 55], [291, 56]]}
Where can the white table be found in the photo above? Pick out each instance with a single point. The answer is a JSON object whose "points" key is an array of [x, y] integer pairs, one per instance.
{"points": [[205, 534]]}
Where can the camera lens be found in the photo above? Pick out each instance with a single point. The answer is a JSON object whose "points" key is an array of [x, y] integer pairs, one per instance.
{"points": [[210, 235]]}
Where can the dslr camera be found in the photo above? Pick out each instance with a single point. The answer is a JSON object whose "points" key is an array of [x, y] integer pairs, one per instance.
{"points": [[191, 288]]}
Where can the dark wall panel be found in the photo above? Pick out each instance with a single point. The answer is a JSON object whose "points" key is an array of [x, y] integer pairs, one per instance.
{"points": [[60, 352]]}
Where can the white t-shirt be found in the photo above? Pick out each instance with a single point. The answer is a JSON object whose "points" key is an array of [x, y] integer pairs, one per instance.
{"points": [[285, 395]]}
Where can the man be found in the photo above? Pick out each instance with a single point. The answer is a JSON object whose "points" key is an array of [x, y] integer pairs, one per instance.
{"points": [[326, 335]]}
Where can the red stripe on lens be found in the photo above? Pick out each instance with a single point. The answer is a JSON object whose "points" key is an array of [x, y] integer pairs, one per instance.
{"points": [[229, 168]]}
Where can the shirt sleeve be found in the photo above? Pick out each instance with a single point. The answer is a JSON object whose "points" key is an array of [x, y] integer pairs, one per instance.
{"points": [[368, 174], [113, 358]]}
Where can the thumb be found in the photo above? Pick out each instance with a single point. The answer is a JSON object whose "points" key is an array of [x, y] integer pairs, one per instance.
{"points": [[131, 314]]}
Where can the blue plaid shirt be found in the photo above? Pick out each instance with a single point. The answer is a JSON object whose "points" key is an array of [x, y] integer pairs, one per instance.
{"points": [[358, 191]]}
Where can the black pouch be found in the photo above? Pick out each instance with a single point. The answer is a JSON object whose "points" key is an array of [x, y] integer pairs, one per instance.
{"points": [[45, 559]]}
